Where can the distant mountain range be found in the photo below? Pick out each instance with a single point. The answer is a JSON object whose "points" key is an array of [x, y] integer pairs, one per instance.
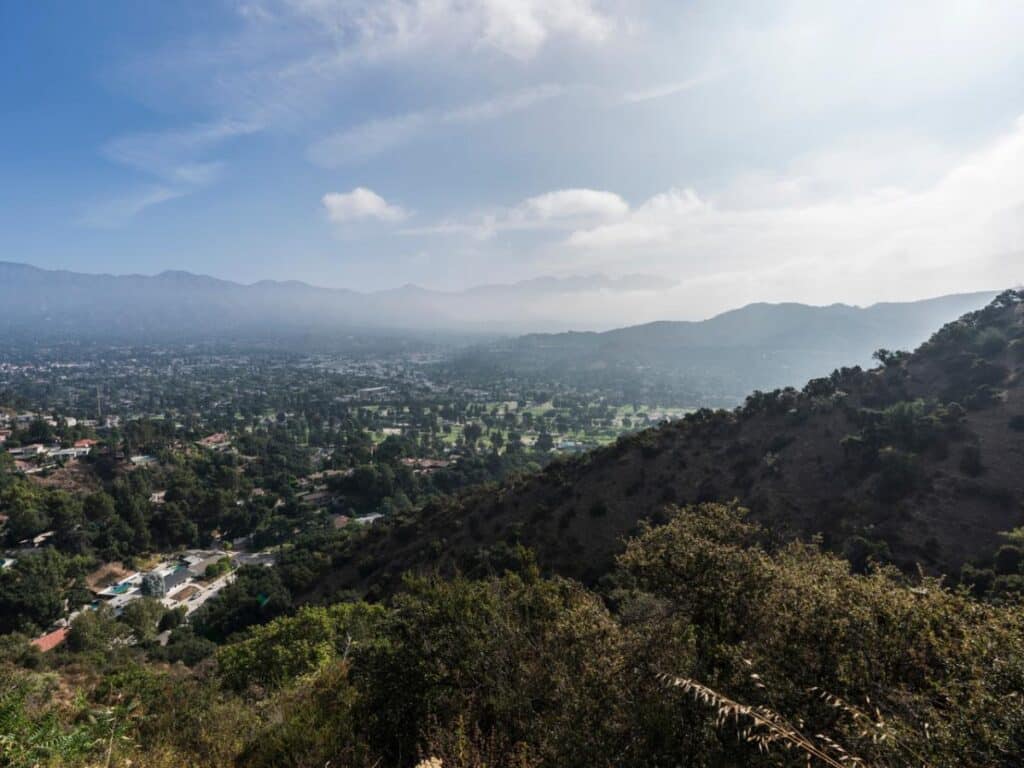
{"points": [[720, 360], [48, 302], [717, 361]]}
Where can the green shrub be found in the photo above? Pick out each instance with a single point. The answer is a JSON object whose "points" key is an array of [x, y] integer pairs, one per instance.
{"points": [[291, 646]]}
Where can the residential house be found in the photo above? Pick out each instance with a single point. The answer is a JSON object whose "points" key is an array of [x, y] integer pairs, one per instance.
{"points": [[31, 451], [50, 640], [218, 441]]}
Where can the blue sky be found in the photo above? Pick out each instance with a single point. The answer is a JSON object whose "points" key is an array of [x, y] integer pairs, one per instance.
{"points": [[810, 151]]}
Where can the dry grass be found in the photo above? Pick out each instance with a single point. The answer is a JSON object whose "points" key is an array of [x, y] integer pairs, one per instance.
{"points": [[765, 728], [106, 575]]}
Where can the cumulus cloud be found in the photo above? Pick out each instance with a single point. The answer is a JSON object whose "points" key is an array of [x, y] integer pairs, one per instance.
{"points": [[571, 203], [361, 203]]}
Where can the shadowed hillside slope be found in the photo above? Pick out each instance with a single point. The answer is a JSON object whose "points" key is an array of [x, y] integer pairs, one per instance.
{"points": [[916, 462]]}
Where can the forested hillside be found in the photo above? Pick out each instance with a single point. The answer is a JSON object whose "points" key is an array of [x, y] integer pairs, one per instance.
{"points": [[916, 462]]}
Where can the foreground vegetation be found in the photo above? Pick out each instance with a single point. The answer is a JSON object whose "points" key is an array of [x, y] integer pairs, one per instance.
{"points": [[704, 647]]}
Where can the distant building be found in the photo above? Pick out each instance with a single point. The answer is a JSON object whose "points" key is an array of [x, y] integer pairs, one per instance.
{"points": [[27, 451], [265, 559], [368, 519], [36, 541], [217, 442], [197, 566], [50, 640], [69, 453], [372, 393], [175, 578], [425, 466]]}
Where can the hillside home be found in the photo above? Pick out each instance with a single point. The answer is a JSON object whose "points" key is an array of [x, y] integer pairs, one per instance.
{"points": [[50, 640], [30, 451]]}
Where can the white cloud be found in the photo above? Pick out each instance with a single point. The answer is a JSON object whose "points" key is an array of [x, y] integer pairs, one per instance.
{"points": [[656, 221], [808, 57], [360, 203], [287, 64], [172, 155], [963, 230], [384, 28], [571, 204], [560, 209], [375, 137]]}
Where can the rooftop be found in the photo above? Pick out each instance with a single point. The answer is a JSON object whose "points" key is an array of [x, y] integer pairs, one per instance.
{"points": [[50, 640]]}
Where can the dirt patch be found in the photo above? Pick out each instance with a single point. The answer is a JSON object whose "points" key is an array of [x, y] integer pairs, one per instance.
{"points": [[185, 593], [74, 478], [106, 575]]}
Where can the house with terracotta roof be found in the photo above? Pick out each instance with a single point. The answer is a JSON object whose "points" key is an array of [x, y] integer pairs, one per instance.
{"points": [[50, 640]]}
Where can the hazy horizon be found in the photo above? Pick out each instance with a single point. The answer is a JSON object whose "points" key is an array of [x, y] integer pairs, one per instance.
{"points": [[545, 304], [795, 153]]}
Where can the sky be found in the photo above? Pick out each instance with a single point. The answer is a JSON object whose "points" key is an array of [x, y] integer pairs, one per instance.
{"points": [[739, 151]]}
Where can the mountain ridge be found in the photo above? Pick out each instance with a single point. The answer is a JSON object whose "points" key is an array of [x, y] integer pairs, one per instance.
{"points": [[70, 302], [719, 360]]}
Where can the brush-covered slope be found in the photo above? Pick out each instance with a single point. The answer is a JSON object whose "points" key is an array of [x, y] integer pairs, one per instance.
{"points": [[917, 462]]}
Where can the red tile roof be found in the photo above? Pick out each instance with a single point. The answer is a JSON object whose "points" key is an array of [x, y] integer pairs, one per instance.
{"points": [[50, 641], [218, 438]]}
